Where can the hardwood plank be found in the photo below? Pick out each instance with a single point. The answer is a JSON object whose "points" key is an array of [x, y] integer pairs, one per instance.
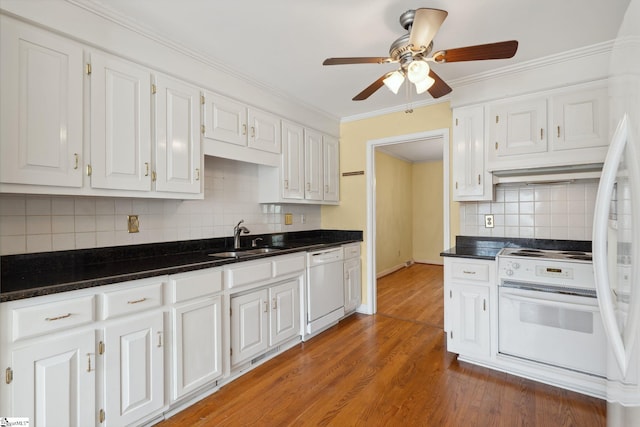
{"points": [[388, 369]]}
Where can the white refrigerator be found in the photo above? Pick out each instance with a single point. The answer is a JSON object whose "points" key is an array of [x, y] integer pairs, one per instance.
{"points": [[616, 229]]}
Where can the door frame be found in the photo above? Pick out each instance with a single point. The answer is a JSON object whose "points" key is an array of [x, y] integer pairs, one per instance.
{"points": [[371, 306]]}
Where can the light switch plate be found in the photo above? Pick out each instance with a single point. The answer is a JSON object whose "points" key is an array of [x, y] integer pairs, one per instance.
{"points": [[488, 221]]}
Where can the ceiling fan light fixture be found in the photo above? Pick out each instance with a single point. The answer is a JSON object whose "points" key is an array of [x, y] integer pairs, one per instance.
{"points": [[423, 85], [394, 81], [417, 71]]}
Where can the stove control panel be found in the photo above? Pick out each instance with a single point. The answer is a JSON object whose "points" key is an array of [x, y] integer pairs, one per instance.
{"points": [[564, 272]]}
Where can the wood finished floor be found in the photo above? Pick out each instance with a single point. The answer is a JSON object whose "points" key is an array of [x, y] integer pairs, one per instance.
{"points": [[386, 370]]}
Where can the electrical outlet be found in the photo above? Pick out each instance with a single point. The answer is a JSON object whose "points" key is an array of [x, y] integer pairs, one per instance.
{"points": [[488, 221], [288, 219], [303, 218], [133, 224]]}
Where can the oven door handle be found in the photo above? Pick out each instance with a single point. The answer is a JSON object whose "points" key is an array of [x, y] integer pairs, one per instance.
{"points": [[543, 301]]}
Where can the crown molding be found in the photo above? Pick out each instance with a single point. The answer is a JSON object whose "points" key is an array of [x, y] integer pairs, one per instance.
{"points": [[407, 108], [102, 10]]}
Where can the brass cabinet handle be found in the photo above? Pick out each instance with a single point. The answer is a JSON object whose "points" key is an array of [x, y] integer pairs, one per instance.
{"points": [[478, 179], [484, 305], [541, 134], [75, 155], [266, 306], [159, 338], [275, 303], [468, 272], [154, 176], [64, 316], [496, 145], [88, 362], [244, 129], [197, 174], [456, 185], [286, 184], [146, 168], [253, 132], [137, 301], [558, 131]]}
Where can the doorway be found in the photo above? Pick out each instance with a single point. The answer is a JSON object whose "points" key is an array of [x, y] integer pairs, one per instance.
{"points": [[387, 144]]}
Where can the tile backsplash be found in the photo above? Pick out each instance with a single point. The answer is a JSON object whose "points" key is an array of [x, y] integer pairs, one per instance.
{"points": [[546, 211], [38, 223]]}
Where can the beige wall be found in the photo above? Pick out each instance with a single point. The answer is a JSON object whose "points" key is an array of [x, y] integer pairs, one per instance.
{"points": [[428, 219], [352, 211], [394, 212]]}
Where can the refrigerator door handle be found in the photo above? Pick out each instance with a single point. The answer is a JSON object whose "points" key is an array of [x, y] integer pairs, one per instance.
{"points": [[600, 230]]}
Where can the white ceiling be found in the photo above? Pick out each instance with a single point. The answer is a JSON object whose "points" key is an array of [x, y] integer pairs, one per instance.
{"points": [[426, 150], [281, 44]]}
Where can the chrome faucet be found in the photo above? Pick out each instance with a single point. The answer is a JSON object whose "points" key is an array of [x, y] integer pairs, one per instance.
{"points": [[236, 233]]}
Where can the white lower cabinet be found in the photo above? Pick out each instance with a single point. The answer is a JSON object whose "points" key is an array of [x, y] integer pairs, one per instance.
{"points": [[264, 318], [196, 330], [133, 368], [54, 381], [352, 278], [468, 288], [469, 334]]}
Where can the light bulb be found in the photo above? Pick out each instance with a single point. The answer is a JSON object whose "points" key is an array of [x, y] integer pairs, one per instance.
{"points": [[394, 81], [424, 84], [417, 70]]}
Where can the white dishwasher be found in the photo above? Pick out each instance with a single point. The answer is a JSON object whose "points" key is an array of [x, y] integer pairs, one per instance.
{"points": [[325, 289]]}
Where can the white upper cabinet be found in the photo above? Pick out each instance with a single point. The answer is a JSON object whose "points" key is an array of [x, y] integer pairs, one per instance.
{"points": [[563, 127], [292, 161], [224, 119], [120, 124], [313, 168], [580, 120], [41, 78], [231, 121], [331, 168], [519, 127], [264, 131], [178, 155], [470, 178]]}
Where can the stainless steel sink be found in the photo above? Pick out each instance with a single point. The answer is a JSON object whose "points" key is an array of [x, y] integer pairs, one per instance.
{"points": [[243, 252]]}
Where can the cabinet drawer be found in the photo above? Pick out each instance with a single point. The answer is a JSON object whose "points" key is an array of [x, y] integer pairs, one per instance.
{"points": [[195, 284], [53, 316], [468, 271], [352, 251], [132, 300], [248, 273], [288, 265]]}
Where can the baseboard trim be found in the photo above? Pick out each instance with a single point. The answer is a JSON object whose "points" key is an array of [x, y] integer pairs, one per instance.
{"points": [[429, 261]]}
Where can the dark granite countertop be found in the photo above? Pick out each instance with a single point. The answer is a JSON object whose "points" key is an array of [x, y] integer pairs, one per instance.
{"points": [[31, 275], [488, 247]]}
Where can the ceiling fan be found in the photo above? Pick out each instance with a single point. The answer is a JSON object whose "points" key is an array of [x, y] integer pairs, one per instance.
{"points": [[412, 52]]}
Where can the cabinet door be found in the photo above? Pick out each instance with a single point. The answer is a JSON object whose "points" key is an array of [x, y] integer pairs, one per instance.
{"points": [[285, 311], [580, 119], [469, 334], [120, 124], [54, 381], [331, 168], [264, 131], [292, 161], [225, 119], [41, 122], [519, 128], [313, 169], [471, 182], [178, 159], [133, 368], [352, 285], [249, 326], [197, 356]]}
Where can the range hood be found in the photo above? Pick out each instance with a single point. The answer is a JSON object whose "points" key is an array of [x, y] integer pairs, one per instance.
{"points": [[548, 174]]}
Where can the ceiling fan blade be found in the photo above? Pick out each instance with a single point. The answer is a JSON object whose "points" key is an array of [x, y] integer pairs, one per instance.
{"points": [[357, 60], [370, 90], [501, 50], [426, 24], [439, 88]]}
